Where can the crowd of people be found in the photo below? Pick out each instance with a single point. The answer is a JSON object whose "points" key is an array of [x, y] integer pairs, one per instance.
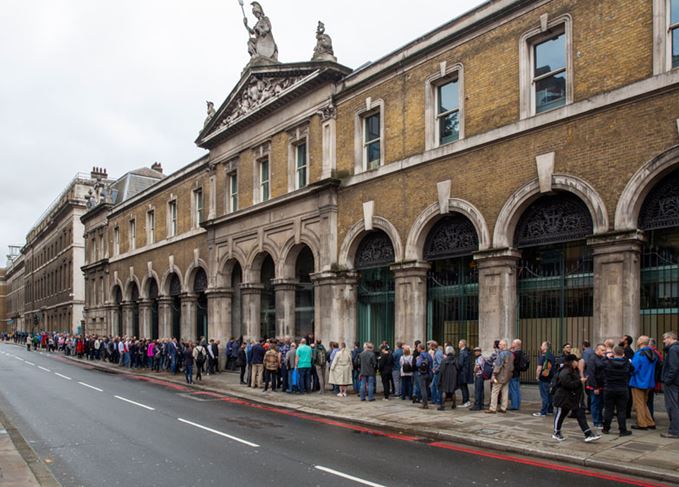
{"points": [[606, 381]]}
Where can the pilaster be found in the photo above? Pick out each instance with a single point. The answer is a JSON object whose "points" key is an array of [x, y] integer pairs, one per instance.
{"points": [[410, 300], [188, 323], [335, 296], [285, 306], [165, 317], [251, 294], [145, 317]]}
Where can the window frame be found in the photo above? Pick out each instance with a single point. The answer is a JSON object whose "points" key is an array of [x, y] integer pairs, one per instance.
{"points": [[548, 28], [172, 224], [151, 227], [264, 183], [305, 166], [132, 233], [232, 197], [198, 205], [371, 108], [368, 143], [432, 128], [116, 240]]}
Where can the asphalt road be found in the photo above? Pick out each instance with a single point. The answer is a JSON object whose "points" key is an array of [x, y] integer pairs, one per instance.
{"points": [[94, 428]]}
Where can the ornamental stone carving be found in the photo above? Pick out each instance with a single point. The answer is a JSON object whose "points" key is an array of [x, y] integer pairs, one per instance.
{"points": [[257, 92], [560, 218], [261, 45], [375, 250], [210, 113], [661, 208], [323, 50], [328, 112]]}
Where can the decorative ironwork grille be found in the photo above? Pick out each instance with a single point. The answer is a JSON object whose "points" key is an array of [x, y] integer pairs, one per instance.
{"points": [[452, 236], [661, 208], [560, 218], [153, 289], [375, 250], [175, 286], [200, 282]]}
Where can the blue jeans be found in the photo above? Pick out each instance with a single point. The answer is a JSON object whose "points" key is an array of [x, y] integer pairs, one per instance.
{"points": [[547, 406], [417, 394], [189, 373], [479, 385], [354, 377], [291, 388], [368, 380], [303, 379], [597, 409], [515, 393], [435, 393]]}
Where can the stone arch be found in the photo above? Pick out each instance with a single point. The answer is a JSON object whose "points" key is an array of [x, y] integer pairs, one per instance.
{"points": [[226, 266], [356, 233], [165, 282], [428, 218], [638, 187], [252, 271], [503, 235], [127, 295], [291, 251], [117, 283], [151, 275], [191, 273]]}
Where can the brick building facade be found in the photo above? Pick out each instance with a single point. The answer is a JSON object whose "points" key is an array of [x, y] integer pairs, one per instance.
{"points": [[511, 173]]}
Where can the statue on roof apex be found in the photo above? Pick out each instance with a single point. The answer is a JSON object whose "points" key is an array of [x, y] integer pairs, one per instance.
{"points": [[210, 113], [323, 50], [261, 45]]}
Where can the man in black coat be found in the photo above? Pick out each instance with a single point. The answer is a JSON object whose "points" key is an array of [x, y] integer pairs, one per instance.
{"points": [[465, 372], [617, 372]]}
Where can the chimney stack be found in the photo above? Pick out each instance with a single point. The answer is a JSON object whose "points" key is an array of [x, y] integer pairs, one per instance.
{"points": [[98, 173], [157, 166]]}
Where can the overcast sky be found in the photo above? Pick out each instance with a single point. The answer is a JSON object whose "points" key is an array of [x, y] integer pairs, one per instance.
{"points": [[121, 84]]}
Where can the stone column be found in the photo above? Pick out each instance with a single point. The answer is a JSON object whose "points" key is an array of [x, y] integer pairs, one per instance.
{"points": [[110, 318], [165, 317], [410, 301], [497, 295], [617, 284], [251, 294], [219, 319], [128, 311], [285, 306], [335, 306], [188, 324], [145, 317]]}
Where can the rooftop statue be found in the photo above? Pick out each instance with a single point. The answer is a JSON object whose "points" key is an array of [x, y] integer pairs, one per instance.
{"points": [[210, 112], [261, 45], [323, 50]]}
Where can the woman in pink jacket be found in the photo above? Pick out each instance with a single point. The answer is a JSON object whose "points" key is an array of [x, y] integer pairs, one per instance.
{"points": [[150, 352]]}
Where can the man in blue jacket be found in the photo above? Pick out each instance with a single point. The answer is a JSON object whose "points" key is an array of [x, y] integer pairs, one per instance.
{"points": [[670, 378], [642, 381]]}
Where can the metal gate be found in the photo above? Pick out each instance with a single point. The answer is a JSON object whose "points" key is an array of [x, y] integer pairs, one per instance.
{"points": [[660, 283], [555, 297], [376, 306], [453, 301]]}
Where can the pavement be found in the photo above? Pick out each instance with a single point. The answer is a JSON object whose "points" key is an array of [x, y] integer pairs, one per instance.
{"points": [[643, 454], [123, 424]]}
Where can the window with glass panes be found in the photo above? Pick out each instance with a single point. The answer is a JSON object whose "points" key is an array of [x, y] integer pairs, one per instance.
{"points": [[264, 179], [150, 227], [549, 72], [172, 207], [233, 191], [133, 234], [301, 165], [674, 31], [198, 207], [116, 241], [371, 141], [448, 112]]}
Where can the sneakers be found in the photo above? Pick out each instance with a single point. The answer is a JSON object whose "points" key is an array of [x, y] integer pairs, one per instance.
{"points": [[592, 437], [466, 404], [625, 433], [539, 415], [669, 435], [558, 437]]}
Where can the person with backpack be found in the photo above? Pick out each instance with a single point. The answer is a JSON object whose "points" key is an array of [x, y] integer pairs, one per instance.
{"points": [[406, 366], [423, 365], [502, 373], [569, 396], [320, 357], [544, 374], [521, 364], [643, 381], [479, 379], [199, 355]]}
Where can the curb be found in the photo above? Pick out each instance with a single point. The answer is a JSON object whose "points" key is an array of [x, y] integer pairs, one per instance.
{"points": [[644, 472], [40, 470]]}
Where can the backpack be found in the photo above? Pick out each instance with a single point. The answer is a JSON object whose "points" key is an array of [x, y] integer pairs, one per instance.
{"points": [[200, 358], [487, 371], [554, 384], [321, 357], [423, 367], [524, 362], [407, 366]]}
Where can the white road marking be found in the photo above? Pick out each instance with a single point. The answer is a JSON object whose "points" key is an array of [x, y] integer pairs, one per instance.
{"points": [[62, 376], [136, 403], [19, 358], [254, 445], [91, 387], [349, 477], [30, 363], [43, 368]]}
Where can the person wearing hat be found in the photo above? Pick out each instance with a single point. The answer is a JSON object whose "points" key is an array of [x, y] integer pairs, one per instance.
{"points": [[479, 383], [568, 397]]}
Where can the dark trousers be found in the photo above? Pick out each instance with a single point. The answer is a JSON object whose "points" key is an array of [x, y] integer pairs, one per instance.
{"points": [[272, 377], [561, 414], [672, 407], [386, 381], [465, 392], [406, 386], [650, 403], [242, 373], [479, 385], [425, 382], [616, 400]]}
